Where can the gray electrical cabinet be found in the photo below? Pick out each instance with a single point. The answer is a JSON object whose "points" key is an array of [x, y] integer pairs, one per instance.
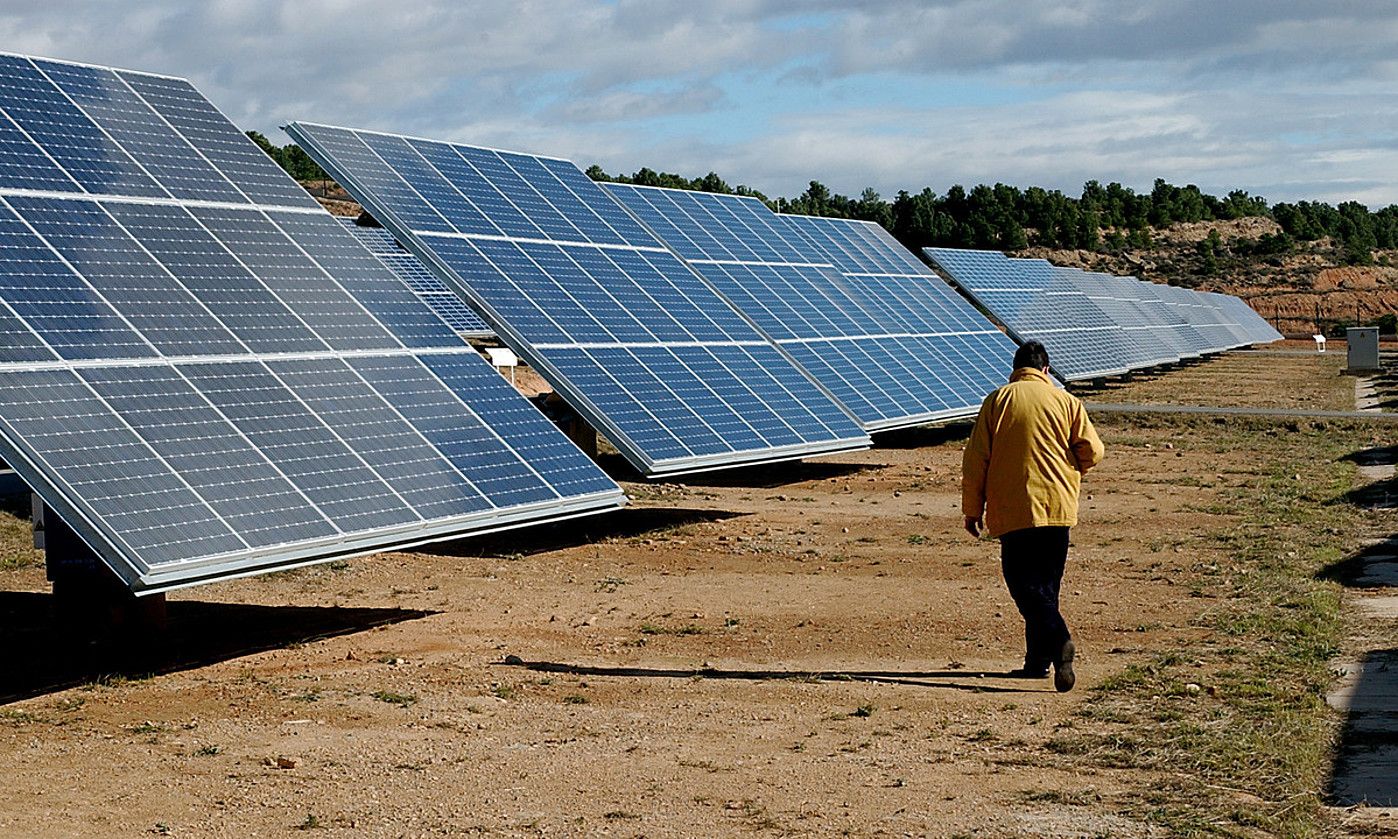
{"points": [[1363, 349]]}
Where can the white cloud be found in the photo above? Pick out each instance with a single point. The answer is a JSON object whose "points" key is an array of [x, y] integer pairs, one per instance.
{"points": [[1287, 98]]}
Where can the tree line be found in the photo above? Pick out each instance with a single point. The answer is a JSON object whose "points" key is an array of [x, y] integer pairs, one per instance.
{"points": [[290, 157], [1002, 217], [1110, 217]]}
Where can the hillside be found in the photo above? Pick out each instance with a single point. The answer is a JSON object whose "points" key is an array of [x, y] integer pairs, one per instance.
{"points": [[1291, 290]]}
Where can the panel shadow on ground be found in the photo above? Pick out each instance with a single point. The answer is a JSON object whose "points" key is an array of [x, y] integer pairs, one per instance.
{"points": [[43, 658], [1366, 757], [627, 523]]}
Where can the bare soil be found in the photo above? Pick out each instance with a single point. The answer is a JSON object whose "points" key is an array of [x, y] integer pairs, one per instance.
{"points": [[809, 648]]}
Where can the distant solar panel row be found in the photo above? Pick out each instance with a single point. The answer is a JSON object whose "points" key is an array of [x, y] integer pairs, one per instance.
{"points": [[637, 342], [907, 294], [1096, 324], [440, 299], [204, 375], [893, 358]]}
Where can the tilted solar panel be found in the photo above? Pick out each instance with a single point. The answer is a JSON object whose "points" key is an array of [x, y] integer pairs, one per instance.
{"points": [[962, 350], [440, 299], [1033, 303], [1142, 328], [1218, 305], [885, 375], [1176, 327], [204, 375], [1258, 330], [635, 341]]}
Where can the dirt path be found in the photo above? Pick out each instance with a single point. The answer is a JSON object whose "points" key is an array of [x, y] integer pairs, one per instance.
{"points": [[376, 699]]}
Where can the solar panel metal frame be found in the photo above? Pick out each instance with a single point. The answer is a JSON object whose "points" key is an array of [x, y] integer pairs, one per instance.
{"points": [[164, 154], [304, 133], [797, 299]]}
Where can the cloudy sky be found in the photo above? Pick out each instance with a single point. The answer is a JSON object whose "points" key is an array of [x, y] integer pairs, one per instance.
{"points": [[1290, 99]]}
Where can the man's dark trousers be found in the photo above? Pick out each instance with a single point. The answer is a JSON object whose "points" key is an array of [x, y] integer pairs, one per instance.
{"points": [[1032, 560]]}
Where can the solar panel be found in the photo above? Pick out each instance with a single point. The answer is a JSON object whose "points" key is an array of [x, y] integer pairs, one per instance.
{"points": [[636, 342], [1141, 326], [887, 376], [1257, 329], [205, 376], [1176, 327], [960, 348], [440, 299], [1033, 303]]}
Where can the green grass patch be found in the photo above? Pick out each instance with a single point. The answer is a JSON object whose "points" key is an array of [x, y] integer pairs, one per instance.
{"points": [[1238, 720], [656, 629], [402, 700]]}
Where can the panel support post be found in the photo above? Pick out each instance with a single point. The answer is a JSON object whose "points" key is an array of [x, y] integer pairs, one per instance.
{"points": [[88, 599], [570, 422]]}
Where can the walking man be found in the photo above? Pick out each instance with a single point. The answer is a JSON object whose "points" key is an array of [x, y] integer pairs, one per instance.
{"points": [[1019, 483]]}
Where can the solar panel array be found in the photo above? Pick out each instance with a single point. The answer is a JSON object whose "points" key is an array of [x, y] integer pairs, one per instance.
{"points": [[635, 341], [965, 351], [205, 376], [440, 299], [1093, 324], [888, 372]]}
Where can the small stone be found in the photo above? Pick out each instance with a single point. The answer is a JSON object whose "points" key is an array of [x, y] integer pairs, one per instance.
{"points": [[1192, 689], [1169, 445], [844, 530], [514, 660]]}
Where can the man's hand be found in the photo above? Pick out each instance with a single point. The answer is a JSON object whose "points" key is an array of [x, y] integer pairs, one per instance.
{"points": [[973, 526]]}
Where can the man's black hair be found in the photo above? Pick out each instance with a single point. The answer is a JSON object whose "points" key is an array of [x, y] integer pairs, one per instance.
{"points": [[1031, 354]]}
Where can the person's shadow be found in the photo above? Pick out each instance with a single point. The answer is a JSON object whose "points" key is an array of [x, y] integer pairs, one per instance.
{"points": [[964, 680]]}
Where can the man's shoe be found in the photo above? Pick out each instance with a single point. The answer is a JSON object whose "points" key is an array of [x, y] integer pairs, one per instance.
{"points": [[1028, 673], [1063, 669]]}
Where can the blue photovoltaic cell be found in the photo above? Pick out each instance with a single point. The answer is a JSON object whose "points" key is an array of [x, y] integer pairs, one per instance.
{"points": [[253, 173], [204, 374], [1257, 329], [574, 284], [151, 142], [74, 141], [844, 333], [223, 285], [423, 282]]}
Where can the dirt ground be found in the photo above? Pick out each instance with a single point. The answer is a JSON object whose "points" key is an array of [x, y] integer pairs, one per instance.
{"points": [[808, 648]]}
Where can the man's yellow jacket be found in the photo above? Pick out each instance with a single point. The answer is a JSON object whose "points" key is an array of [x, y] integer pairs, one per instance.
{"points": [[1023, 465]]}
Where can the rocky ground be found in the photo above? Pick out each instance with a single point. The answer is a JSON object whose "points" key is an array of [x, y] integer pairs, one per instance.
{"points": [[810, 648]]}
